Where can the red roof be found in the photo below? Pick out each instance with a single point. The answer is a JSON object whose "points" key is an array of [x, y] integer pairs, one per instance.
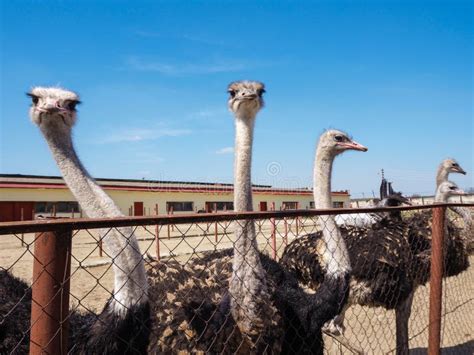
{"points": [[272, 191]]}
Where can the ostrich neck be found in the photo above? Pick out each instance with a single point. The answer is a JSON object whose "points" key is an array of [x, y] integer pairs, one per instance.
{"points": [[322, 179], [441, 175], [250, 299], [130, 285], [336, 255], [93, 200], [243, 164], [441, 197]]}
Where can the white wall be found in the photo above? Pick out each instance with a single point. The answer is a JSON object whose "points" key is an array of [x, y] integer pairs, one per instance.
{"points": [[125, 199]]}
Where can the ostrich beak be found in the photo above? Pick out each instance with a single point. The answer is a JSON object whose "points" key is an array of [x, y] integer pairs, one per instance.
{"points": [[354, 145], [459, 192], [460, 170]]}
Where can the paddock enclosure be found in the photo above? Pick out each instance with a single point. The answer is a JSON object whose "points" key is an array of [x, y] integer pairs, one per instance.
{"points": [[81, 271]]}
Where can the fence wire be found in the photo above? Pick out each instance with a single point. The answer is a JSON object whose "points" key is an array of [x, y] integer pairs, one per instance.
{"points": [[195, 309]]}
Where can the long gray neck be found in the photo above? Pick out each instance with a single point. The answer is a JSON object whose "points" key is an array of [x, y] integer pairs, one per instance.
{"points": [[441, 197], [336, 255], [250, 299], [243, 164], [130, 285], [322, 179], [441, 175], [468, 229]]}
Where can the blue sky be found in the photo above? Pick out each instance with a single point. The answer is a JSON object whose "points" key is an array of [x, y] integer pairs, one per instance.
{"points": [[152, 76]]}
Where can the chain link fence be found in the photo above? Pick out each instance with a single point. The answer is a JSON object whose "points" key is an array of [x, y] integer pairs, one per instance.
{"points": [[69, 269]]}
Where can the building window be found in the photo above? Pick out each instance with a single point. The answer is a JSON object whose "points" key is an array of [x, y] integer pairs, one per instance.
{"points": [[311, 204], [60, 207], [180, 206], [338, 204], [290, 205], [220, 206]]}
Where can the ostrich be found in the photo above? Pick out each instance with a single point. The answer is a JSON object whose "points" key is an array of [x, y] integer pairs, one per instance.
{"points": [[367, 219], [386, 259], [248, 302], [446, 167], [124, 323], [206, 310]]}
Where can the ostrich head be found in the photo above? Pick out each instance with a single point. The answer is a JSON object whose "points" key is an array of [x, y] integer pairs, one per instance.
{"points": [[245, 97], [335, 142], [447, 189], [53, 107], [452, 166]]}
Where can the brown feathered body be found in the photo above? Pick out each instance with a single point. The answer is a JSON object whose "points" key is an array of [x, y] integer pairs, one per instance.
{"points": [[191, 309], [389, 259]]}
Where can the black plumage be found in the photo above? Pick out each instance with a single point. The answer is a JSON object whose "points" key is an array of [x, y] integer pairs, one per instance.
{"points": [[105, 333], [198, 316]]}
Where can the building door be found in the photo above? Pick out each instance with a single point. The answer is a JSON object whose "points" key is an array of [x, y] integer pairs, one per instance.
{"points": [[211, 207], [16, 211], [263, 206], [7, 211], [24, 210], [138, 208]]}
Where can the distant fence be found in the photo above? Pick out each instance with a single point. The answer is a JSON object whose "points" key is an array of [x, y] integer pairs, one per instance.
{"points": [[419, 200], [65, 270]]}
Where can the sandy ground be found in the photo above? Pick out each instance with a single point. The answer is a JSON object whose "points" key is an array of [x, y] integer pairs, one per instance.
{"points": [[371, 330]]}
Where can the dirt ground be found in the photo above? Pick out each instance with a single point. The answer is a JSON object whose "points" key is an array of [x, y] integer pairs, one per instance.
{"points": [[369, 330]]}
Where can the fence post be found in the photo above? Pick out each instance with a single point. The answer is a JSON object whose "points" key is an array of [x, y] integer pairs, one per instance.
{"points": [[22, 216], [50, 293], [101, 246], [297, 220], [170, 212], [216, 237], [157, 233], [436, 280], [272, 221]]}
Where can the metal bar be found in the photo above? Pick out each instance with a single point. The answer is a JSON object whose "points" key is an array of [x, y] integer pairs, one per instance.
{"points": [[170, 212], [157, 234], [50, 293], [436, 280], [216, 238], [22, 234], [91, 223], [101, 246], [273, 234]]}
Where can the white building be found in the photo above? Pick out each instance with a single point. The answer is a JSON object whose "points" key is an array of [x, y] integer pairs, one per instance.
{"points": [[24, 196]]}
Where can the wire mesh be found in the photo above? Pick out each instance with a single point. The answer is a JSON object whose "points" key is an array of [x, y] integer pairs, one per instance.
{"points": [[189, 265]]}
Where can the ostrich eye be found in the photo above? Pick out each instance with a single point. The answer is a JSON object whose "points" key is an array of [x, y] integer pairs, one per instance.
{"points": [[34, 98], [455, 164], [260, 92], [71, 105], [232, 93], [452, 188], [338, 138]]}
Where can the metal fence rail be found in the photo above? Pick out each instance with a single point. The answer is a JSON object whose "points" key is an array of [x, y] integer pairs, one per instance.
{"points": [[64, 272]]}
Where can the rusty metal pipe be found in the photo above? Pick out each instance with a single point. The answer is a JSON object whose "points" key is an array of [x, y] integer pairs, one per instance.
{"points": [[50, 292], [91, 223], [436, 280]]}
